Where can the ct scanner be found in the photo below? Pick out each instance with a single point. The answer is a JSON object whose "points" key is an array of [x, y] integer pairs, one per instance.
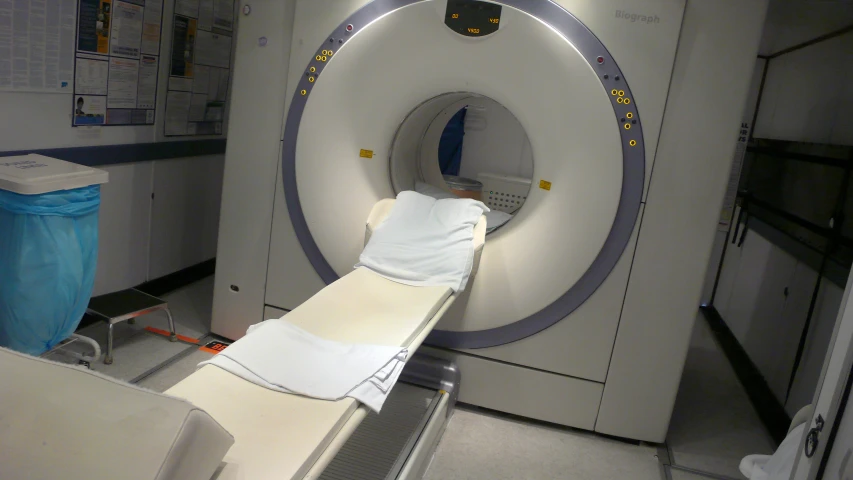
{"points": [[583, 305]]}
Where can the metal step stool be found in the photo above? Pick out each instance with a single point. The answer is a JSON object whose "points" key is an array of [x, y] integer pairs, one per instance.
{"points": [[126, 305]]}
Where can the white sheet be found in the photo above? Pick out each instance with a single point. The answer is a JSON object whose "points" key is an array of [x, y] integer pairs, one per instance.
{"points": [[425, 242], [494, 218], [280, 356], [777, 466]]}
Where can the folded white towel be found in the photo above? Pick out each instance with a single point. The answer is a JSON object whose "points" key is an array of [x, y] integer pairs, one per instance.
{"points": [[779, 465], [280, 356], [425, 242]]}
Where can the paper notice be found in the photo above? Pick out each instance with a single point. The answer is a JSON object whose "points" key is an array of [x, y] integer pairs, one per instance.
{"points": [[147, 87], [89, 110], [91, 76], [215, 112], [124, 77], [218, 88], [213, 49], [118, 43], [187, 8], [730, 199], [6, 45], [93, 29], [182, 84], [151, 26], [202, 79], [37, 45], [126, 36], [198, 108], [223, 14], [177, 112], [205, 15], [183, 46], [199, 66]]}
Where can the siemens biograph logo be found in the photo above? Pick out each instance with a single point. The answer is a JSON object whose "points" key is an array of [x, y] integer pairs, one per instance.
{"points": [[635, 17]]}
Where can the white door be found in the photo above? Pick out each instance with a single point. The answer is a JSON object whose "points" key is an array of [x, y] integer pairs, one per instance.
{"points": [[830, 396]]}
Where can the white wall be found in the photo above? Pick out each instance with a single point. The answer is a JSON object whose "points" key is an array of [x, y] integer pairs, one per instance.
{"points": [[721, 235], [143, 238], [140, 238], [763, 296], [495, 142], [124, 227], [185, 213], [792, 22], [808, 95]]}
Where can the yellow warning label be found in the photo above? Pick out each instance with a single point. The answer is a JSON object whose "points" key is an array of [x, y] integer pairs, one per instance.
{"points": [[544, 185], [366, 153]]}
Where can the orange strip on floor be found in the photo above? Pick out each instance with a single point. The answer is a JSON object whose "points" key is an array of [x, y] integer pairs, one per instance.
{"points": [[182, 338]]}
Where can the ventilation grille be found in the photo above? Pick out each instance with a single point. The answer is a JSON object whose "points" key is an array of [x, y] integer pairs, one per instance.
{"points": [[373, 449], [504, 193]]}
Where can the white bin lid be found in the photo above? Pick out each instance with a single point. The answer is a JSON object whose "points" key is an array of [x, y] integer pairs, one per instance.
{"points": [[35, 174]]}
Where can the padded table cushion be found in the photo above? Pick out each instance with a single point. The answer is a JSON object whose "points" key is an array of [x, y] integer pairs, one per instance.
{"points": [[280, 436], [61, 421]]}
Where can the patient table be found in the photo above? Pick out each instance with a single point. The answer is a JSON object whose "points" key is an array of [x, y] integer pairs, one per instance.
{"points": [[282, 436]]}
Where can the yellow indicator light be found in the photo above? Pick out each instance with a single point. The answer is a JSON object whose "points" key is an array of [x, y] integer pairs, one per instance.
{"points": [[632, 143], [627, 126], [545, 185], [629, 115], [627, 101], [614, 92], [304, 92], [312, 69], [621, 93], [311, 79], [619, 100]]}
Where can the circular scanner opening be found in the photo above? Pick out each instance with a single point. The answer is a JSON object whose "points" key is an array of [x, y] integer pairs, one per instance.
{"points": [[465, 145]]}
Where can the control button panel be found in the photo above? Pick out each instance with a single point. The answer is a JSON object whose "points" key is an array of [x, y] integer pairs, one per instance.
{"points": [[473, 18]]}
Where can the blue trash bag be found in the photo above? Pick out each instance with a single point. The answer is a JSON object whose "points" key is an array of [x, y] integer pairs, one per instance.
{"points": [[48, 255]]}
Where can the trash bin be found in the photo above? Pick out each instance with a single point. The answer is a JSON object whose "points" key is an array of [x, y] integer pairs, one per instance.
{"points": [[48, 249]]}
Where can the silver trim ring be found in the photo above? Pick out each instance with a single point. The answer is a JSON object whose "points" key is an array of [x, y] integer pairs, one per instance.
{"points": [[633, 179]]}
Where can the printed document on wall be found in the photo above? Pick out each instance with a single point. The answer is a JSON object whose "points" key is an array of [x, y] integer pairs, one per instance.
{"points": [[126, 36], [202, 41], [117, 59], [37, 45], [730, 200]]}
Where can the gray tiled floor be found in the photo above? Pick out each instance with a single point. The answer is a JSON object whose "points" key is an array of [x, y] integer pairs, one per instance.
{"points": [[682, 475], [192, 307], [174, 373], [714, 424], [136, 350], [479, 445]]}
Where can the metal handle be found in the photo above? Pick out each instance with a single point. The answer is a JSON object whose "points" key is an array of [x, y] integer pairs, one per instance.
{"points": [[813, 438]]}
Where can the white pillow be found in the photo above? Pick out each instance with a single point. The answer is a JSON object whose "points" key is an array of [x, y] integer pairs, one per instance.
{"points": [[494, 218], [433, 191]]}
